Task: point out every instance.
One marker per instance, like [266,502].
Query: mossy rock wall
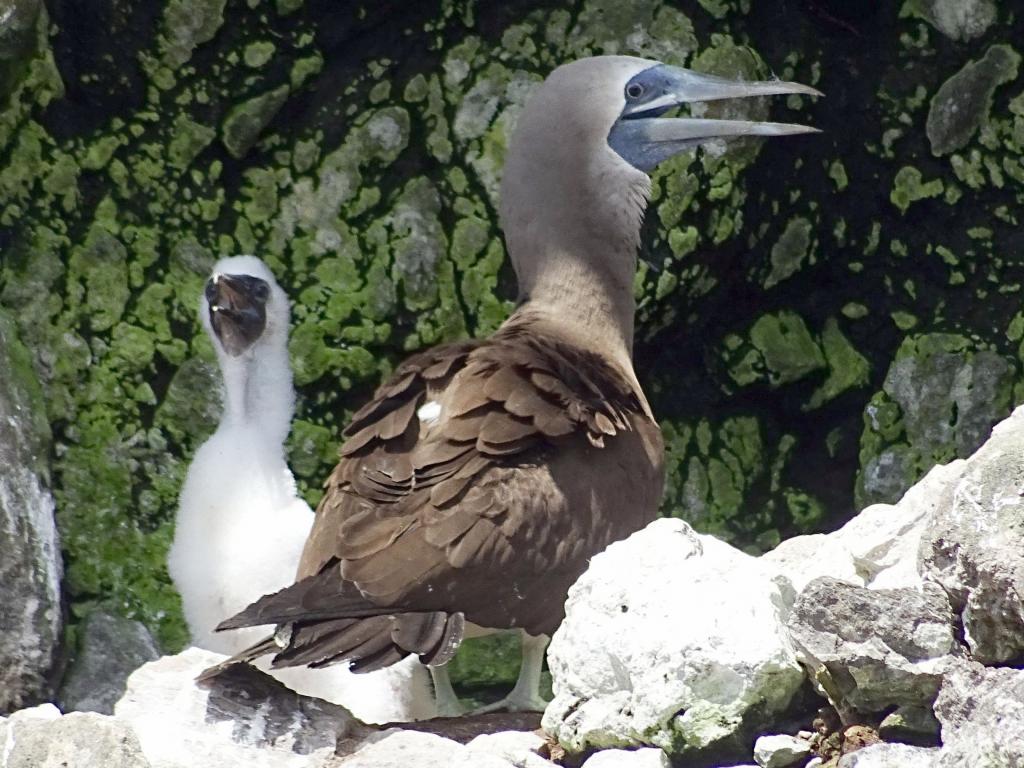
[821,318]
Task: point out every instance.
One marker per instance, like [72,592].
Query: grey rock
[884,477]
[110,648]
[41,738]
[18,29]
[963,103]
[30,564]
[974,547]
[621,758]
[948,393]
[982,716]
[910,725]
[891,756]
[957,19]
[780,750]
[872,649]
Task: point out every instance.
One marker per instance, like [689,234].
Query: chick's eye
[262,291]
[634,91]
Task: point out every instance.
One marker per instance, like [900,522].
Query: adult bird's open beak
[644,138]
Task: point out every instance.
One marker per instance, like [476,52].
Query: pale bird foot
[514,703]
[451,708]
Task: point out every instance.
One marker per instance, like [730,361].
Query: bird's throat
[258,392]
[586,299]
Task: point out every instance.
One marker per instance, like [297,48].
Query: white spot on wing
[429,412]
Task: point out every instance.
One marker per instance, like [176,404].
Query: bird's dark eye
[634,91]
[261,291]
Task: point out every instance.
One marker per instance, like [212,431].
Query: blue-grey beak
[643,138]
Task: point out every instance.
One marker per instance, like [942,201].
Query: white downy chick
[240,525]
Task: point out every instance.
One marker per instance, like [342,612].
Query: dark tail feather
[324,625]
[315,598]
[253,652]
[373,642]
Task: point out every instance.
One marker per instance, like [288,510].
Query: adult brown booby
[479,480]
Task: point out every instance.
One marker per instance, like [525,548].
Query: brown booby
[476,484]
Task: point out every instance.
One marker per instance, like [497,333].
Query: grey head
[242,304]
[576,169]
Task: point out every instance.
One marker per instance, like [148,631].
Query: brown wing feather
[483,512]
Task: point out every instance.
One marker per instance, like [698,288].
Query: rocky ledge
[895,641]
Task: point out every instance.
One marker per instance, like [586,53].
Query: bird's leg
[448,704]
[525,696]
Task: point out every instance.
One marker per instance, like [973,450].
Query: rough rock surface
[517,747]
[884,538]
[957,19]
[963,103]
[403,749]
[671,639]
[41,738]
[635,758]
[802,559]
[878,548]
[878,648]
[911,725]
[110,648]
[891,756]
[974,546]
[982,716]
[243,717]
[30,563]
[780,750]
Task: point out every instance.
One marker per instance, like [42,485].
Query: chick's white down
[241,526]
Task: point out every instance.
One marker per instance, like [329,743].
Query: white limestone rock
[974,546]
[648,757]
[891,756]
[674,640]
[779,751]
[802,559]
[879,648]
[878,548]
[883,539]
[520,748]
[244,718]
[982,715]
[41,738]
[30,561]
[409,749]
